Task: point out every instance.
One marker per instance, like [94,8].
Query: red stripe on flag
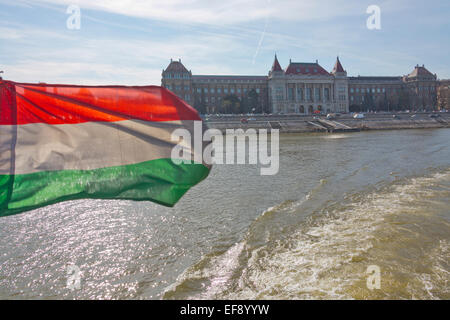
[69,104]
[7,103]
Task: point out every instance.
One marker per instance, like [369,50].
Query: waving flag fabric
[63,142]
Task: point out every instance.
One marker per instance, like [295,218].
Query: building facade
[217,93]
[443,95]
[302,88]
[306,88]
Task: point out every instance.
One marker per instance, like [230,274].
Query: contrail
[262,36]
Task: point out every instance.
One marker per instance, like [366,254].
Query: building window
[317,94]
[239,90]
[291,93]
[219,90]
[187,97]
[212,90]
[351,90]
[225,90]
[168,86]
[308,94]
[199,90]
[257,90]
[279,93]
[232,90]
[205,90]
[327,94]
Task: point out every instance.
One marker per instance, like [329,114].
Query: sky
[129,42]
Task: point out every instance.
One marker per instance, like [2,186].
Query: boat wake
[326,255]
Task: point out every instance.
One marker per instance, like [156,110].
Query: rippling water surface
[340,203]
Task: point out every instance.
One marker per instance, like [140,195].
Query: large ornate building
[303,88]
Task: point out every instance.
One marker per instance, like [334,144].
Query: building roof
[420,72]
[305,68]
[382,78]
[338,66]
[228,77]
[176,66]
[276,65]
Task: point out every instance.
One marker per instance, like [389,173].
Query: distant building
[306,87]
[303,88]
[208,92]
[443,95]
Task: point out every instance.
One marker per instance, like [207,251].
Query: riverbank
[303,124]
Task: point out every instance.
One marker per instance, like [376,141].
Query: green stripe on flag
[159,180]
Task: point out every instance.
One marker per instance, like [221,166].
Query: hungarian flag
[65,142]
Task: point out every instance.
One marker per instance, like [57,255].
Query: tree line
[404,100]
[231,104]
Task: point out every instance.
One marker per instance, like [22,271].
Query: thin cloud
[218,12]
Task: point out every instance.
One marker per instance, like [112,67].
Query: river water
[339,204]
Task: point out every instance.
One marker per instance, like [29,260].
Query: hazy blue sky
[131,41]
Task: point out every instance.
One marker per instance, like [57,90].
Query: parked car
[358,116]
[331,116]
[243,120]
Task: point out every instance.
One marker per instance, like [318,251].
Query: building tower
[178,79]
[341,103]
[277,87]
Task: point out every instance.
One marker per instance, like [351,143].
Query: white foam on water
[337,136]
[327,257]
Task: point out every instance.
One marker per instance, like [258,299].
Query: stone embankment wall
[309,124]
